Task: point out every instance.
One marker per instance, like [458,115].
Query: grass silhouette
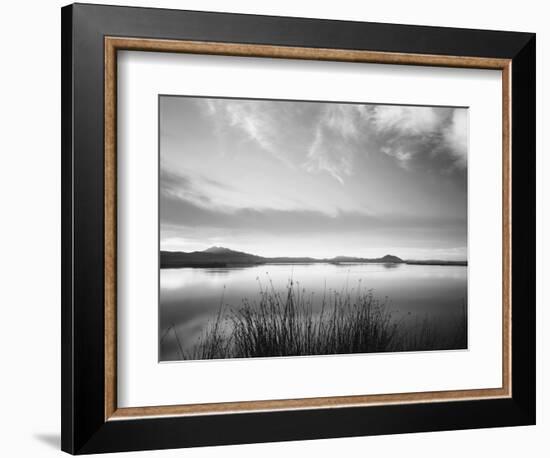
[287,324]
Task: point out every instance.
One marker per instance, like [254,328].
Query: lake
[190,298]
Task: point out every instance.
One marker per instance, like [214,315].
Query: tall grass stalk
[286,324]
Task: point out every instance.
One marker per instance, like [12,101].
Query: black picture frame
[84,428]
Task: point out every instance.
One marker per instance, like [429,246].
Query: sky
[320,179]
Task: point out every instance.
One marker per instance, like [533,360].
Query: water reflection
[191,297]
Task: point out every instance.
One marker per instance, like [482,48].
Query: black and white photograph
[275,229]
[300,228]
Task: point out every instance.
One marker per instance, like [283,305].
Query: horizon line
[315,257]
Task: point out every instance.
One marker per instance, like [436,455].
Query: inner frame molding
[114,44]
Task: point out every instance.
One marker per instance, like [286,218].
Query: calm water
[190,297]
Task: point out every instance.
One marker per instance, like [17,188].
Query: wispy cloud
[431,137]
[177,211]
[196,189]
[412,136]
[263,122]
[404,119]
[456,137]
[335,141]
[325,156]
[328,137]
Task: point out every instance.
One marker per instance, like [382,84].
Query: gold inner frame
[112,45]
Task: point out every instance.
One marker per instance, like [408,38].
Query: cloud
[253,120]
[431,138]
[325,155]
[329,137]
[342,119]
[337,138]
[186,213]
[197,189]
[406,120]
[456,137]
[270,125]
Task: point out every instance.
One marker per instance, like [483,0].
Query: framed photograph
[281,228]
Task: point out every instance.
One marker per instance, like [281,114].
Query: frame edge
[67,382]
[119,436]
[523,138]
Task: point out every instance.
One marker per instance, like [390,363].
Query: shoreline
[211,265]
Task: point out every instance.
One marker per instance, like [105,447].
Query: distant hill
[211,257]
[222,257]
[387,259]
[219,250]
[435,262]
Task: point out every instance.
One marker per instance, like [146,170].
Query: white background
[142,381]
[30,230]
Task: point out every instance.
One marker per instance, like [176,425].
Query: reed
[287,324]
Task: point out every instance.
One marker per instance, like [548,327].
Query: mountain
[222,257]
[435,262]
[219,250]
[211,257]
[385,259]
[390,258]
